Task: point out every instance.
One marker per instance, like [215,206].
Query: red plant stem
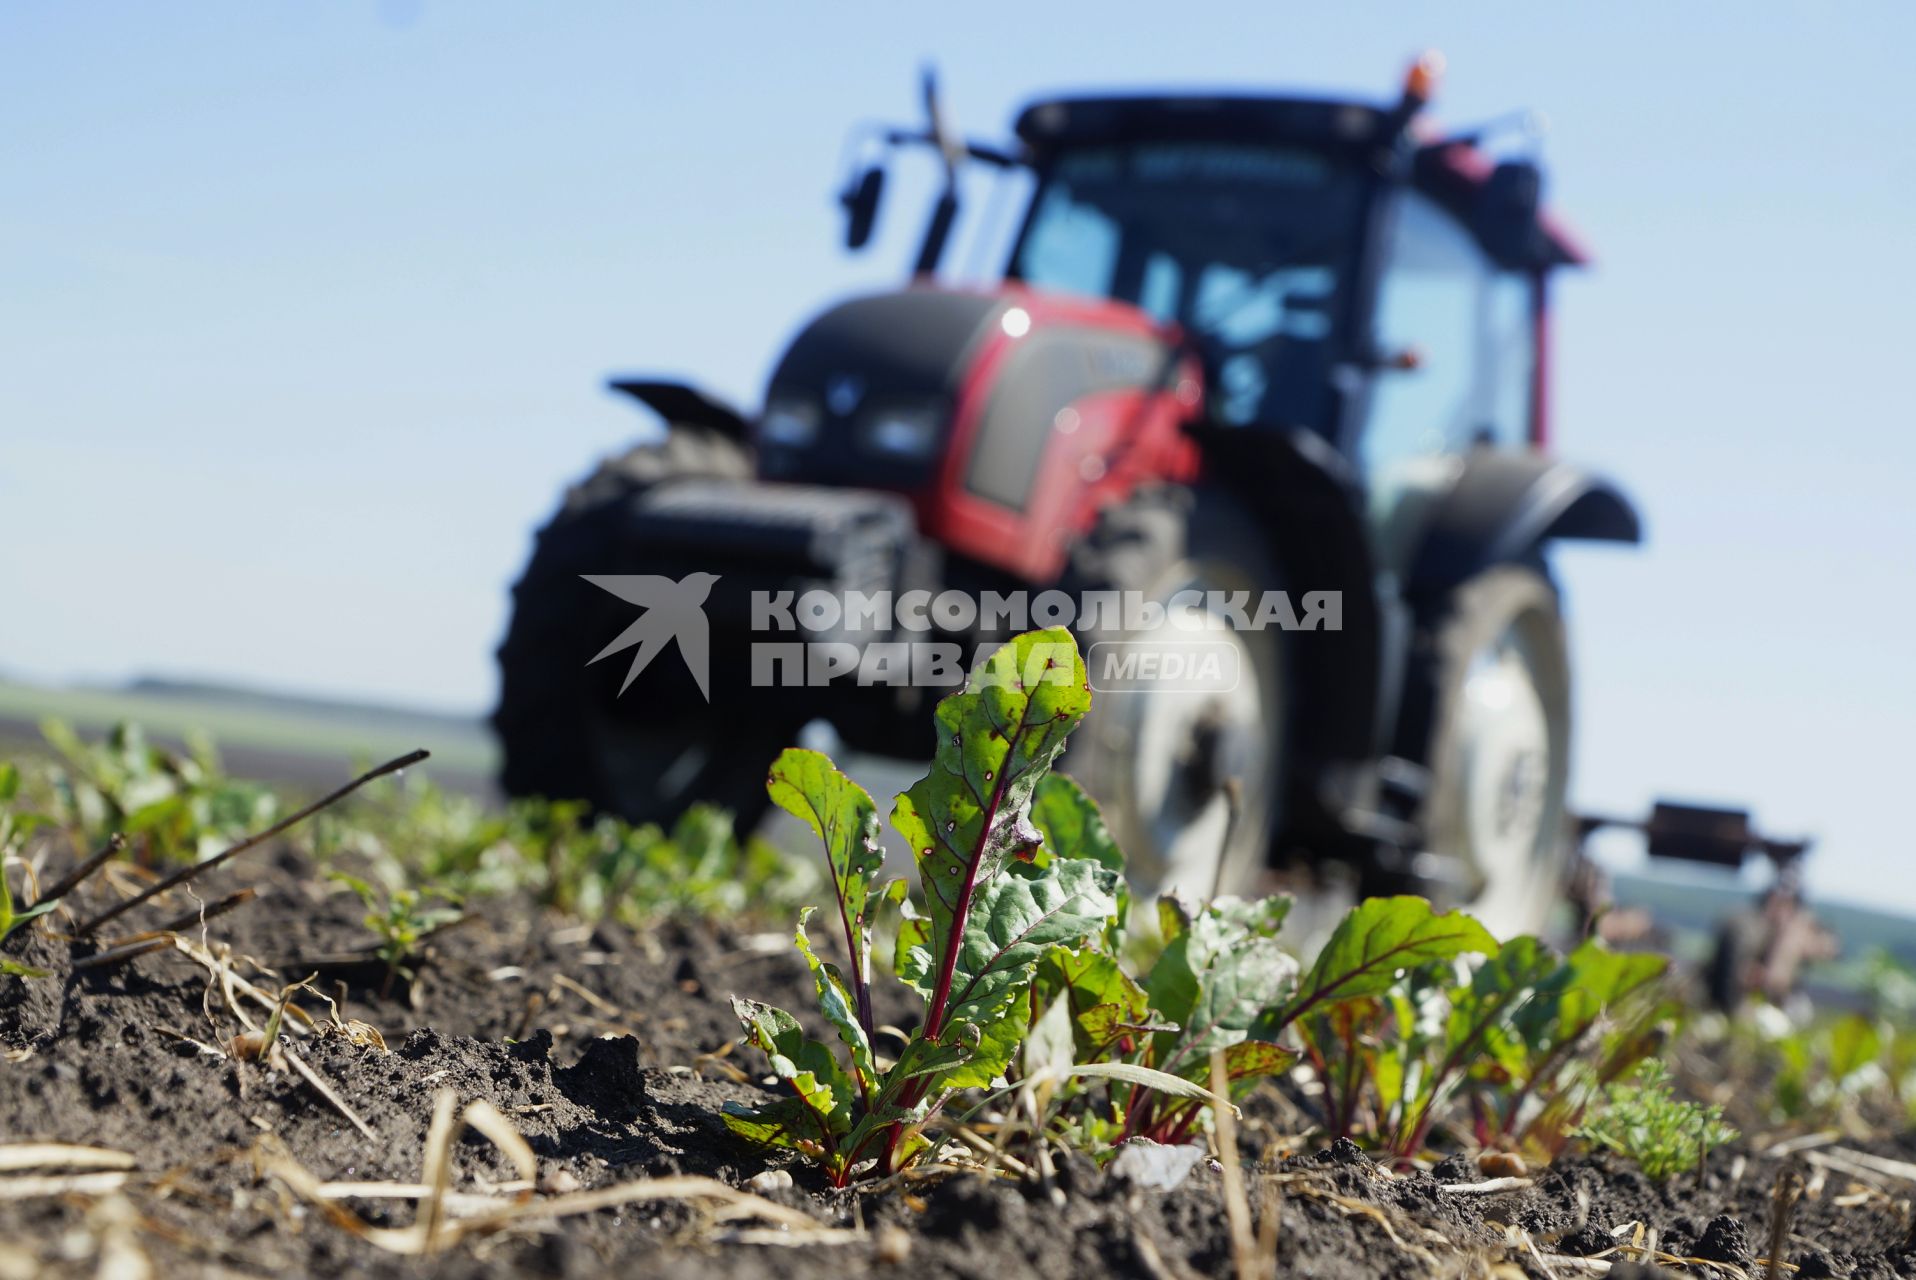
[961,913]
[914,1091]
[935,1012]
[861,981]
[1137,1112]
[1347,1096]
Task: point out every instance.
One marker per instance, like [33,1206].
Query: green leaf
[1253,1059]
[1221,973]
[12,918]
[810,787]
[13,968]
[786,1122]
[1102,997]
[61,737]
[887,1114]
[1103,1023]
[996,739]
[994,1041]
[1854,1044]
[923,1058]
[367,894]
[703,834]
[1445,1029]
[1644,1121]
[1376,941]
[1015,921]
[802,1064]
[1594,979]
[1073,827]
[1071,823]
[1149,1078]
[835,1002]
[921,1061]
[1174,916]
[911,954]
[9,781]
[1484,1013]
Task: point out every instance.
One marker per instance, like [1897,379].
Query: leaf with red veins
[972,810]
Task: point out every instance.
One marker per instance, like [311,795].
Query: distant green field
[268,735]
[310,742]
[1690,907]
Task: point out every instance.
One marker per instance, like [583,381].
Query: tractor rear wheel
[563,730]
[1189,774]
[1495,808]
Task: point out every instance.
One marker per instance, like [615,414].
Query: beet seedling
[991,905]
[1223,985]
[1012,944]
[12,917]
[402,920]
[1507,1033]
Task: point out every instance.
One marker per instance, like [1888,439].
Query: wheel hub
[1506,773]
[1185,746]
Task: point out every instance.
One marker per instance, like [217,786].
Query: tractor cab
[1333,274]
[1328,269]
[1246,237]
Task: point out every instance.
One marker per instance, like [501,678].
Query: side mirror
[1511,200]
[860,199]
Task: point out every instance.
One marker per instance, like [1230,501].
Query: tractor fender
[681,402]
[1502,506]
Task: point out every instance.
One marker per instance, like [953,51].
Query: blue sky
[305,310]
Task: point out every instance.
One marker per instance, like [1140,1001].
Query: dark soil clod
[1723,1240]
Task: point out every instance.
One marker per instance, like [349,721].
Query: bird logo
[674,610]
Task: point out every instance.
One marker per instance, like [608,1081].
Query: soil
[611,1053]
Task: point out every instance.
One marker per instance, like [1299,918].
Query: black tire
[563,731]
[1161,540]
[1495,811]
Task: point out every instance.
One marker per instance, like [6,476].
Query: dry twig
[1237,1206]
[187,873]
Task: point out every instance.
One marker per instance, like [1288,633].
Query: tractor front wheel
[1187,764]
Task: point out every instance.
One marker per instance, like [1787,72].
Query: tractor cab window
[1469,325]
[1244,245]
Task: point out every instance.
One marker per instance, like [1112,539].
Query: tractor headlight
[790,421]
[902,431]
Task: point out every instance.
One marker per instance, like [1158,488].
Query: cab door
[1463,331]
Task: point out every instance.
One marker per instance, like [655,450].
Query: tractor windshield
[1246,245]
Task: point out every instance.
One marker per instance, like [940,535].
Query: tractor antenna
[951,150]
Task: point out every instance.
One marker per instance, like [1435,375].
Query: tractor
[1242,344]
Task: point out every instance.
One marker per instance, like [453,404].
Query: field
[609,1053]
[280,738]
[415,1035]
